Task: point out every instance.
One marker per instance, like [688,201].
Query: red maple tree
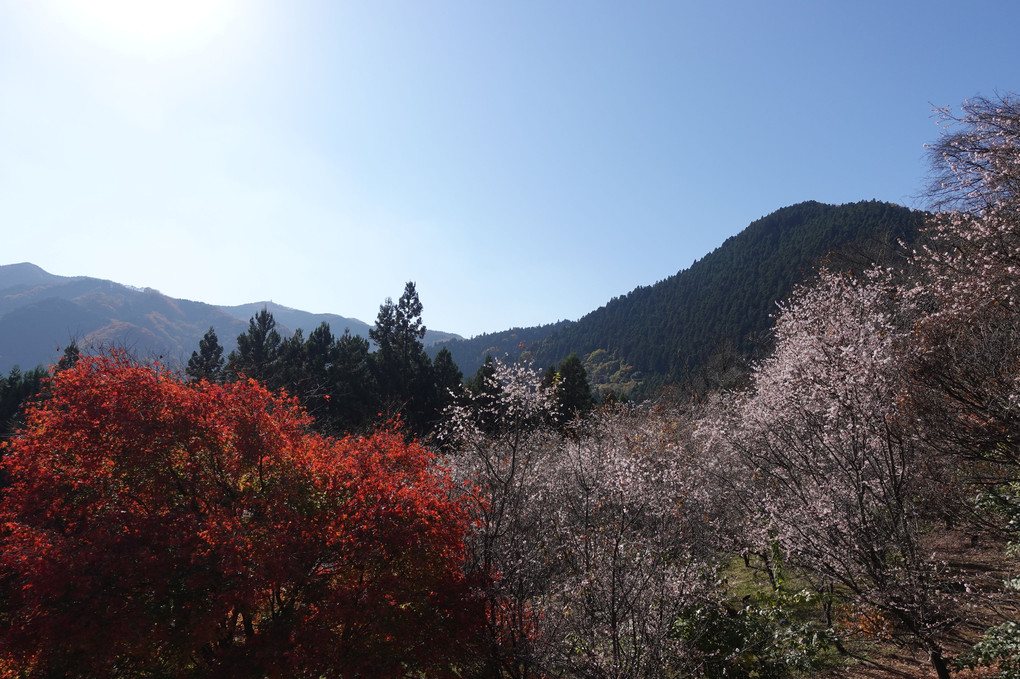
[157,528]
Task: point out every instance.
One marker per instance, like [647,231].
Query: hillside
[40,313]
[664,332]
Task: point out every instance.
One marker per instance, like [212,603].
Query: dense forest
[666,333]
[850,502]
[347,382]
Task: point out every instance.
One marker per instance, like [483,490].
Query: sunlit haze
[153,28]
[521,162]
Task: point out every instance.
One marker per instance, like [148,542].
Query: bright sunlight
[154,29]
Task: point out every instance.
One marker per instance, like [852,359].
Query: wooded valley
[830,486]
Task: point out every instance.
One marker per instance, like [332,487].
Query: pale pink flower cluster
[595,541]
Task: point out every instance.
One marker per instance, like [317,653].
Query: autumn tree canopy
[159,528]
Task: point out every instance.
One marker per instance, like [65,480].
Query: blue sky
[523,162]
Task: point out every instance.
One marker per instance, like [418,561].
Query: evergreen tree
[291,371]
[448,380]
[207,362]
[15,390]
[257,350]
[71,355]
[320,350]
[572,392]
[485,391]
[482,381]
[399,330]
[401,366]
[352,389]
[317,356]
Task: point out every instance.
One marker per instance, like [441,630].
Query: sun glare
[148,28]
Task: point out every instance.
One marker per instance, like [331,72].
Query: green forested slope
[470,354]
[664,332]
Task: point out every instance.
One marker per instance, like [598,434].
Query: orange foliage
[865,622]
[172,529]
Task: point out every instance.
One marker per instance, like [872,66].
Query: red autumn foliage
[157,528]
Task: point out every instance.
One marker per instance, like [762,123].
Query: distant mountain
[469,354]
[41,313]
[292,319]
[25,274]
[665,332]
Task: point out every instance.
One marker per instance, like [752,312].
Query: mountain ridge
[652,335]
[668,331]
[41,313]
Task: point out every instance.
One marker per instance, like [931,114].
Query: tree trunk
[939,663]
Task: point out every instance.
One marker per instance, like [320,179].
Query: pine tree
[207,362]
[70,357]
[257,350]
[401,366]
[352,388]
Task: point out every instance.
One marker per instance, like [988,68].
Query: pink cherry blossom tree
[968,282]
[499,444]
[967,343]
[594,542]
[842,483]
[632,548]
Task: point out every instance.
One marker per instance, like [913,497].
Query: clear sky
[522,162]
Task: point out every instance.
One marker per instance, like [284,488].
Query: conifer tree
[352,388]
[573,393]
[401,366]
[207,362]
[71,355]
[447,378]
[257,350]
[15,391]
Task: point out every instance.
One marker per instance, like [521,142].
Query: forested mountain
[664,332]
[655,334]
[470,354]
[41,313]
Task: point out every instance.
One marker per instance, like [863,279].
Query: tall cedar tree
[402,368]
[448,379]
[571,390]
[354,394]
[15,390]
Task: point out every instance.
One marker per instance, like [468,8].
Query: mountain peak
[24,274]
